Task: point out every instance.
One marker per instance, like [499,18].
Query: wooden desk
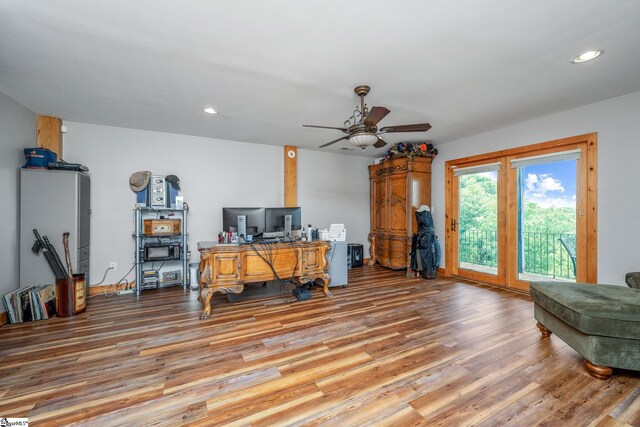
[226,268]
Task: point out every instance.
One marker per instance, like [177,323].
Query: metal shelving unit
[142,213]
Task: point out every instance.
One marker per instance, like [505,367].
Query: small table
[226,268]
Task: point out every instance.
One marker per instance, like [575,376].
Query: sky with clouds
[551,184]
[548,184]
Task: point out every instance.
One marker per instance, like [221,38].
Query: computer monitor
[275,221]
[253,220]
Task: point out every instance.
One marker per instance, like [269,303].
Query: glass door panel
[478,222]
[547,221]
[526,214]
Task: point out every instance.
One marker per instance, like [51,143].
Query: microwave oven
[161,251]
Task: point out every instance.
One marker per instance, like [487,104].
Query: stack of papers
[337,233]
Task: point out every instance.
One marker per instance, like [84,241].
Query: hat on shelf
[139,180]
[174,181]
[423,208]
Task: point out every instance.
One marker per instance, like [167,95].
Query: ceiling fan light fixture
[362,127]
[586,56]
[363,140]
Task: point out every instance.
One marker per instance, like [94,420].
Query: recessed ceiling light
[587,56]
[210,110]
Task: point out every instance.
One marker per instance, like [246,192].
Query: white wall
[334,189]
[617,122]
[17,131]
[213,173]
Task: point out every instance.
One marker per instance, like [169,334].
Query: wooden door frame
[452,236]
[586,198]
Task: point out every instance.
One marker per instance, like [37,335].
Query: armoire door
[398,204]
[379,206]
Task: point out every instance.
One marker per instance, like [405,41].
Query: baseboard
[439,270]
[3,319]
[101,289]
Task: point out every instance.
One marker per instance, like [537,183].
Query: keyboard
[269,241]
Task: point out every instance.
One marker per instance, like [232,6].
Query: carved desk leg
[205,292]
[205,298]
[326,279]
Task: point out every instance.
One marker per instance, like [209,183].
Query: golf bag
[425,249]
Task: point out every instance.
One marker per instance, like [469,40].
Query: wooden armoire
[398,188]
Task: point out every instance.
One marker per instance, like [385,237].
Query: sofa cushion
[633,280]
[604,310]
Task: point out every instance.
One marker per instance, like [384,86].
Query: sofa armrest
[633,280]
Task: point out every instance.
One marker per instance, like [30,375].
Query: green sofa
[601,322]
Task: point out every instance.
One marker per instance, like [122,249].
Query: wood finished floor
[386,350]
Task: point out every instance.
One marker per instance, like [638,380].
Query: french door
[477,222]
[525,214]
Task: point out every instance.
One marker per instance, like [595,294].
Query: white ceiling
[464,66]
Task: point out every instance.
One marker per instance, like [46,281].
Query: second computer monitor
[275,220]
[254,219]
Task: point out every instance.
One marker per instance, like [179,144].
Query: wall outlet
[113,265]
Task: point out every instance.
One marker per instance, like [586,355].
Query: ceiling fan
[361,127]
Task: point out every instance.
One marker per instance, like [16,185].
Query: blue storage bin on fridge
[39,158]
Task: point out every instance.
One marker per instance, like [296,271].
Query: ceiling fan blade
[325,127]
[380,143]
[333,142]
[419,127]
[375,115]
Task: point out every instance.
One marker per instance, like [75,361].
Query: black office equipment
[275,220]
[355,254]
[254,219]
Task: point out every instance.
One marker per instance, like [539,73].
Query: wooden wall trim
[290,176]
[524,149]
[101,289]
[449,233]
[48,133]
[592,208]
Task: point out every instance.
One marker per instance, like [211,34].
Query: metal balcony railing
[541,253]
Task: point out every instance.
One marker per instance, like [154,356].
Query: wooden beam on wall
[592,208]
[290,176]
[48,134]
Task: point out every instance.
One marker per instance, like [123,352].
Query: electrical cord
[269,262]
[104,277]
[109,293]
[268,250]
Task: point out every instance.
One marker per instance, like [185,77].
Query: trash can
[355,254]
[194,275]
